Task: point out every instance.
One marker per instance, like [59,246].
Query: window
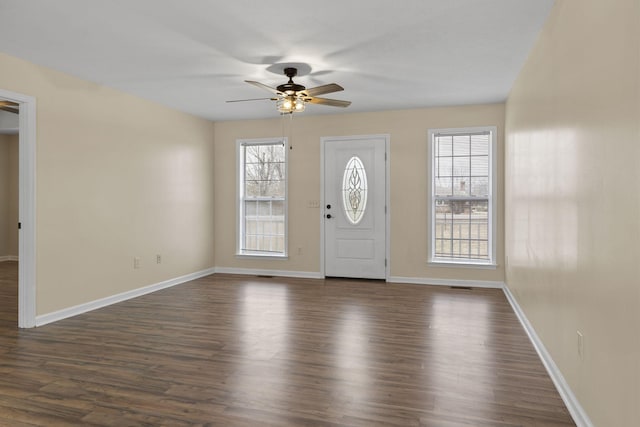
[461,202]
[262,197]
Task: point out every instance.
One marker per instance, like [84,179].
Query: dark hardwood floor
[246,351]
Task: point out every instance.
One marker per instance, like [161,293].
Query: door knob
[328,216]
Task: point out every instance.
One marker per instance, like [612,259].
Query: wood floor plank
[246,351]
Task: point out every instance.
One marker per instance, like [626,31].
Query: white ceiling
[194,55]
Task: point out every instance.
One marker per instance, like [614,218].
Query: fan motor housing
[290,88]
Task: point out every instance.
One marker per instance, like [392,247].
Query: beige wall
[572,200]
[12,230]
[4,194]
[408,156]
[8,195]
[117,178]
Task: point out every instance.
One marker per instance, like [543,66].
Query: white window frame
[240,252]
[493,179]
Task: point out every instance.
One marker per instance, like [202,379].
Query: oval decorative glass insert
[354,190]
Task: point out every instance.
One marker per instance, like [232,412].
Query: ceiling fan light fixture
[290,104]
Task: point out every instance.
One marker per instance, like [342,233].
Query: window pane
[251,154]
[461,145]
[270,152]
[274,189]
[480,166]
[251,242]
[444,146]
[461,186]
[279,244]
[250,208]
[264,208]
[480,144]
[277,207]
[252,171]
[443,186]
[461,229]
[461,166]
[443,166]
[252,188]
[268,227]
[480,187]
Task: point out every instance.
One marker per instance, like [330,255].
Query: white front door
[354,206]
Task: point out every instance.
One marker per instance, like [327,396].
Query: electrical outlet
[158,259]
[580,345]
[136,262]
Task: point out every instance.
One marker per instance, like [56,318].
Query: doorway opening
[8,214]
[26,106]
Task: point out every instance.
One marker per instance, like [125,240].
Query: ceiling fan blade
[252,99]
[10,110]
[321,90]
[330,102]
[263,86]
[9,106]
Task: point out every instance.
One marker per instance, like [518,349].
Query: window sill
[462,264]
[261,255]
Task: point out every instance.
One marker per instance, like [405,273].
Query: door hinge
[385,156]
[385,262]
[19,226]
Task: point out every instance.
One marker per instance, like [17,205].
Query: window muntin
[461,199]
[262,193]
[354,190]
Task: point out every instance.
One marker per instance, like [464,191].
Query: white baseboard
[446,282]
[279,273]
[575,409]
[43,319]
[8,258]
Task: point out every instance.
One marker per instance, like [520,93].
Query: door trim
[26,207]
[387,237]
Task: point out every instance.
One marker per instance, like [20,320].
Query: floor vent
[466,288]
[264,276]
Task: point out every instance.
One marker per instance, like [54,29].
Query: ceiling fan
[291,97]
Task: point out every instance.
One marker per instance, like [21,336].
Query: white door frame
[387,162]
[26,207]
